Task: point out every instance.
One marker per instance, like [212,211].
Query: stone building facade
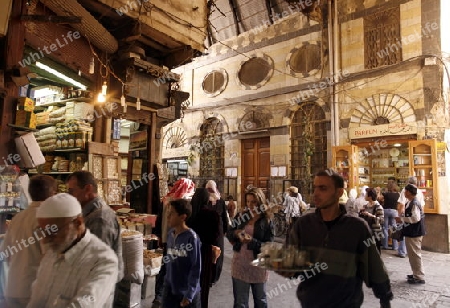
[306,86]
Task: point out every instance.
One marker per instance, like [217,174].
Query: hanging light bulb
[92,66]
[138,104]
[104,88]
[125,108]
[101,98]
[122,98]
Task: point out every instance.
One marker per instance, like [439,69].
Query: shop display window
[366,164]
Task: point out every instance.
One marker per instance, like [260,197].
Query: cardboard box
[25,103]
[29,151]
[42,118]
[25,119]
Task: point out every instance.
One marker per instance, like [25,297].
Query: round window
[215,82]
[255,72]
[305,60]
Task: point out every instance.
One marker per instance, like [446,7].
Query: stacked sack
[57,116]
[79,110]
[46,139]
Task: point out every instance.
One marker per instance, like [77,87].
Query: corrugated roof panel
[254,13]
[223,27]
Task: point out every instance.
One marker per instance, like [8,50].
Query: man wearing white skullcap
[78,269]
[100,219]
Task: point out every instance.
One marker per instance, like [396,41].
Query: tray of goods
[276,257]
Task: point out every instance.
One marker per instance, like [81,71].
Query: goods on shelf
[79,110]
[46,138]
[151,260]
[63,93]
[25,103]
[73,134]
[57,115]
[42,118]
[10,189]
[137,222]
[25,119]
[417,157]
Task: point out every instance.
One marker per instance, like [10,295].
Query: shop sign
[175,152]
[392,129]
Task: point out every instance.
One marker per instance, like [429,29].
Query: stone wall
[411,86]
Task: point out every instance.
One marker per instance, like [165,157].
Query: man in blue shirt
[183,260]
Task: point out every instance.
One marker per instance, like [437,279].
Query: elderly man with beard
[78,269]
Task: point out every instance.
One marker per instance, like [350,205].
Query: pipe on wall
[330,69]
[336,73]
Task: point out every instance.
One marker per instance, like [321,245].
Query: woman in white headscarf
[361,200]
[218,204]
[350,206]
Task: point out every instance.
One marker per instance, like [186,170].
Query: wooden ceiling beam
[52,18]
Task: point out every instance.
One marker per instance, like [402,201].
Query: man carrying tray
[347,247]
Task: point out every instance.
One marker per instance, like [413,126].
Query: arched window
[212,145]
[308,146]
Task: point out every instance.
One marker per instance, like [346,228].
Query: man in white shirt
[21,247]
[402,199]
[78,269]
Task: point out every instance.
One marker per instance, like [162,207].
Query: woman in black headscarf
[218,204]
[205,222]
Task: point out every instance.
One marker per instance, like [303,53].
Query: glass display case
[345,160]
[423,157]
[397,158]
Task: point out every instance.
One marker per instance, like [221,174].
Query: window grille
[382,39]
[308,146]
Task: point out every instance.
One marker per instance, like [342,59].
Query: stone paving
[434,294]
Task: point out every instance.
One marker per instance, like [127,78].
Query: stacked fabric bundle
[46,139]
[57,116]
[69,110]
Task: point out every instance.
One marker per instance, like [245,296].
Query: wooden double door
[255,165]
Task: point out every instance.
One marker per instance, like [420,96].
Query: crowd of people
[387,210]
[78,262]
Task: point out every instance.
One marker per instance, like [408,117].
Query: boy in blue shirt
[183,260]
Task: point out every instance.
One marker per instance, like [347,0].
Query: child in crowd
[183,260]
